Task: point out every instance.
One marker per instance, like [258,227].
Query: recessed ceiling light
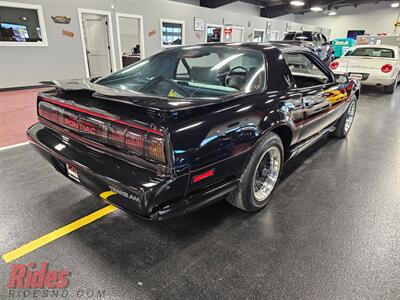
[332,13]
[316,8]
[395,4]
[297,3]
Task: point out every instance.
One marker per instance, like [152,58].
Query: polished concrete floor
[332,230]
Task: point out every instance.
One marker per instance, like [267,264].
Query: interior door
[237,35]
[97,44]
[274,35]
[130,40]
[322,98]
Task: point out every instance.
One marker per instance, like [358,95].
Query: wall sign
[228,31]
[68,33]
[61,19]
[199,24]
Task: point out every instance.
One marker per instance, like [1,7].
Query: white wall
[373,18]
[63,57]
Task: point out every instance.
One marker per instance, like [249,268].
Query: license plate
[72,172]
[356,76]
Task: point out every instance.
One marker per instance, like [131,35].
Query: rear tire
[344,123]
[260,175]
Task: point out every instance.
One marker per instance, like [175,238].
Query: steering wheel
[232,73]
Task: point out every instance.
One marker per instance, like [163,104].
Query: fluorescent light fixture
[395,4]
[332,13]
[297,3]
[316,8]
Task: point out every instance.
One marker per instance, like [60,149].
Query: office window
[258,36]
[172,33]
[21,25]
[214,33]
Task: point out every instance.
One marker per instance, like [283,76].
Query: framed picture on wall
[199,24]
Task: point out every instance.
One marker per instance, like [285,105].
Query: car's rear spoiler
[166,104]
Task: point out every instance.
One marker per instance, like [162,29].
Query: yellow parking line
[56,234]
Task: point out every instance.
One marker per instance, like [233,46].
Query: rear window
[371,52]
[193,72]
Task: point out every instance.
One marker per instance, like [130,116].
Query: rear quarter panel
[223,138]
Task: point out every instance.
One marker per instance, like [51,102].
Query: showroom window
[258,36]
[214,33]
[172,33]
[21,25]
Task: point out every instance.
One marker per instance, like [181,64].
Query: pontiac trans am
[193,124]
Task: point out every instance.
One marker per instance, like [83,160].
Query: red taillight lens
[134,141]
[48,111]
[387,68]
[68,119]
[117,133]
[116,136]
[93,128]
[334,65]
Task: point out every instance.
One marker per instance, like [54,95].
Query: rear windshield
[299,36]
[371,52]
[193,72]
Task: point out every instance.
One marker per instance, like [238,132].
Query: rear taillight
[387,68]
[134,141]
[147,143]
[116,136]
[154,148]
[334,65]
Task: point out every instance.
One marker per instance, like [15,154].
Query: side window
[305,72]
[182,72]
[242,71]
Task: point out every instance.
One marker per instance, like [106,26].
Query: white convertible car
[377,65]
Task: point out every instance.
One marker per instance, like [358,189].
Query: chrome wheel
[350,116]
[266,174]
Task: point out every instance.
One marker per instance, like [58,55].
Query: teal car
[340,46]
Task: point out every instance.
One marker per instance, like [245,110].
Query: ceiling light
[395,4]
[297,3]
[316,8]
[332,13]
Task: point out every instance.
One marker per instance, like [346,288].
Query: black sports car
[193,124]
[315,41]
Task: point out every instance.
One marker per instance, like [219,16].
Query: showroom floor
[332,229]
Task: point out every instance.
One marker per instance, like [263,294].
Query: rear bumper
[378,81]
[149,194]
[371,79]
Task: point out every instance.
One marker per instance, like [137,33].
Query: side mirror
[341,79]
